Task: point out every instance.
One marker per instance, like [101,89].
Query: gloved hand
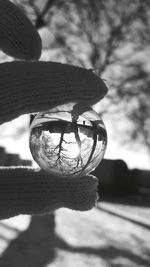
[29,87]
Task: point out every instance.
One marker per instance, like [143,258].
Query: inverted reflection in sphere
[68,143]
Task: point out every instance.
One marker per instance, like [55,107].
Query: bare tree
[109,36]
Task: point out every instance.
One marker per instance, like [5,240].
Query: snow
[108,235]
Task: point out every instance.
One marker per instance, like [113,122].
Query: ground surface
[108,235]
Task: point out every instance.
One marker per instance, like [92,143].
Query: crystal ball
[68,140]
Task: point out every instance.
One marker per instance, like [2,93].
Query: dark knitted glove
[27,87]
[18,37]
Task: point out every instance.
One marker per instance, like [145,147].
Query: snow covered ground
[108,235]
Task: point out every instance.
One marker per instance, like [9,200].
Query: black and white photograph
[74,133]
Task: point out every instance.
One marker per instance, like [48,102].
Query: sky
[134,157]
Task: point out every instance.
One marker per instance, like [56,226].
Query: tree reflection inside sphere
[68,143]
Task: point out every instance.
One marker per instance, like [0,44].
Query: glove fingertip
[81,194]
[18,37]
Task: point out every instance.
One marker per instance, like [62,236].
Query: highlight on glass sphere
[68,141]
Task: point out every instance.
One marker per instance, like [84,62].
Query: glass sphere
[68,141]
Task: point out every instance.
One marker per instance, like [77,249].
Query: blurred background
[112,38]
